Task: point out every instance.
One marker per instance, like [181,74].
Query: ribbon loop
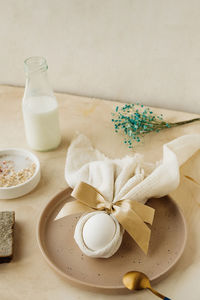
[132,215]
[146,213]
[89,196]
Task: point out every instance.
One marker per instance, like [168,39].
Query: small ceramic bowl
[20,156]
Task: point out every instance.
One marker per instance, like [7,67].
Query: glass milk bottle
[40,108]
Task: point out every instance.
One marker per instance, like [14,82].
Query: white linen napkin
[127,178]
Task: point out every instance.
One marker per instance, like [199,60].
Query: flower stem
[184,122]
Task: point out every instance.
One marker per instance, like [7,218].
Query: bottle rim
[35,64]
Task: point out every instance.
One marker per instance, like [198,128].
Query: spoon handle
[158,294]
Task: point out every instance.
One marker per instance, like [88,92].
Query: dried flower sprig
[136,120]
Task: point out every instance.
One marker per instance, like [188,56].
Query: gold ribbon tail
[73,207]
[134,225]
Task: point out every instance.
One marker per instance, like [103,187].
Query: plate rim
[91,285]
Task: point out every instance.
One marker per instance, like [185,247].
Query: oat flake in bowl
[9,176]
[19,172]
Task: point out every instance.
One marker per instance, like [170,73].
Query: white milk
[41,122]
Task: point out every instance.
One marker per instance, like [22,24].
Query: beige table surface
[29,276]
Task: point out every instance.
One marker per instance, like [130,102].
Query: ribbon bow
[132,215]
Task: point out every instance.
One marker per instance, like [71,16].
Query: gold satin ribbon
[132,215]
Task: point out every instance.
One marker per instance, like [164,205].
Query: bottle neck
[35,64]
[37,83]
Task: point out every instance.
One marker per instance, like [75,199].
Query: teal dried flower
[136,120]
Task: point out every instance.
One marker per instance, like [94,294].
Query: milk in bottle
[40,108]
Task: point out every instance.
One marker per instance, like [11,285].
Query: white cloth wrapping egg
[127,178]
[97,233]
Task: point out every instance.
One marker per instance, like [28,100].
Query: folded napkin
[127,178]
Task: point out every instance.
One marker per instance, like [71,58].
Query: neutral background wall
[130,50]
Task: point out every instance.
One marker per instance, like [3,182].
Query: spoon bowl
[135,281]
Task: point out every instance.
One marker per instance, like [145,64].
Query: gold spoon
[138,281]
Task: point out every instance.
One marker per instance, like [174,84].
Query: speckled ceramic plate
[58,247]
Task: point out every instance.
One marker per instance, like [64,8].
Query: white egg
[98,231]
